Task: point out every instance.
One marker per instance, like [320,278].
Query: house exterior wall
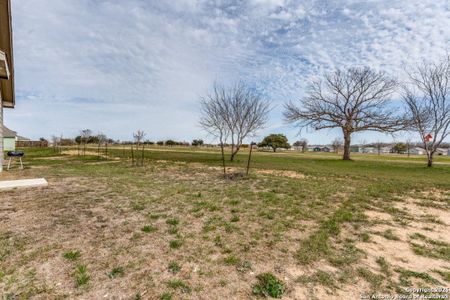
[9,144]
[355,149]
[416,151]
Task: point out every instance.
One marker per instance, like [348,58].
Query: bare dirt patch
[103,217]
[290,174]
[395,240]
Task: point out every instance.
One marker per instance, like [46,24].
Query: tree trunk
[430,159]
[223,159]
[234,151]
[249,158]
[346,155]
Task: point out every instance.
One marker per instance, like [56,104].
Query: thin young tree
[212,118]
[138,137]
[379,145]
[101,139]
[304,144]
[354,100]
[244,112]
[408,144]
[60,143]
[85,134]
[336,144]
[427,97]
[55,141]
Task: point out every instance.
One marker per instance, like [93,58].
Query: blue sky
[117,66]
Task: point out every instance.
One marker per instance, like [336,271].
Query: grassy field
[301,226]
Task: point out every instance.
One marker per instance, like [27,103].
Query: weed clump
[117,271]
[149,228]
[81,275]
[72,255]
[268,285]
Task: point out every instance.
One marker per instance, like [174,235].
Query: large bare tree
[240,109]
[427,97]
[353,100]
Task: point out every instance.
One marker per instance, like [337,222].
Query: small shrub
[234,202]
[72,255]
[244,266]
[154,216]
[173,230]
[268,285]
[231,260]
[179,284]
[117,271]
[138,206]
[325,278]
[218,241]
[174,267]
[234,218]
[173,222]
[321,277]
[373,279]
[384,266]
[175,244]
[389,234]
[149,228]
[166,296]
[81,275]
[444,274]
[406,274]
[223,283]
[365,237]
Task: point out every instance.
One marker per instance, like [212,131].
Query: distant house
[9,139]
[385,150]
[22,139]
[320,149]
[355,149]
[417,151]
[368,150]
[442,151]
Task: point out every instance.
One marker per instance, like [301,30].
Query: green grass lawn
[301,226]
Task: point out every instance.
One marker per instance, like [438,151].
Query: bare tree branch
[233,112]
[427,97]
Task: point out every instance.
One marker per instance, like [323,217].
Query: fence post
[249,158]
